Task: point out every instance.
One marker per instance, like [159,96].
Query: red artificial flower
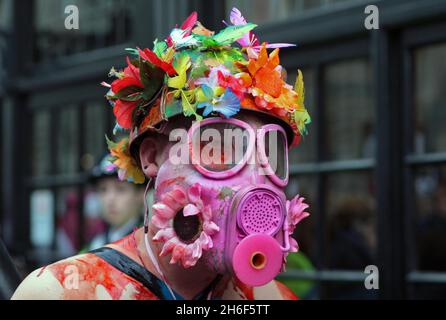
[151,56]
[123,111]
[131,78]
[237,84]
[125,82]
[131,81]
[132,71]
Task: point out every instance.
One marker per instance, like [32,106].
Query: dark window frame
[412,39]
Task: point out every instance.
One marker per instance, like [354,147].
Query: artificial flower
[181,64]
[268,89]
[212,80]
[187,26]
[201,30]
[239,83]
[227,105]
[300,116]
[151,57]
[123,111]
[225,37]
[295,214]
[180,39]
[249,40]
[194,201]
[264,74]
[121,158]
[124,93]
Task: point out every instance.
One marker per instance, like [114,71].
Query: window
[430,99]
[349,118]
[428,172]
[262,11]
[95,119]
[102,23]
[41,164]
[5,14]
[66,143]
[332,169]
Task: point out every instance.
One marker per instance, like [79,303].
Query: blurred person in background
[121,204]
[351,245]
[431,237]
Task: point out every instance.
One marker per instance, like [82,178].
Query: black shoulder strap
[136,271]
[133,269]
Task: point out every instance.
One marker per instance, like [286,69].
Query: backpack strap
[134,270]
[137,272]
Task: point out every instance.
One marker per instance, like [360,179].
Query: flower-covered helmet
[198,73]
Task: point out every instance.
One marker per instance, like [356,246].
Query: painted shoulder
[82,277]
[274,290]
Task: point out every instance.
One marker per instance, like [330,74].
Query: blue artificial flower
[228,104]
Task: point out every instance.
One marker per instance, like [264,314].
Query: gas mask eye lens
[187,229]
[220,147]
[273,153]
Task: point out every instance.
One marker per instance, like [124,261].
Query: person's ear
[147,157]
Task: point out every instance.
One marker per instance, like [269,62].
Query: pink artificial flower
[212,80]
[295,214]
[249,40]
[193,201]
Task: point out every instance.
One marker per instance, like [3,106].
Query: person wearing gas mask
[210,119]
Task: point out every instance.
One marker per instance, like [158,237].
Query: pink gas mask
[219,197]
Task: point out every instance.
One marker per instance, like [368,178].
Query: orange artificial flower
[269,90]
[120,156]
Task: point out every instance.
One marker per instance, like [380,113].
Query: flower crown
[196,72]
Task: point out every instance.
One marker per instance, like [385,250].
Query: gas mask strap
[155,263]
[146,240]
[146,208]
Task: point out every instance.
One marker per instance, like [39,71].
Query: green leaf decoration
[300,89]
[130,93]
[152,78]
[110,143]
[159,47]
[181,64]
[189,107]
[232,33]
[132,51]
[199,68]
[225,37]
[301,116]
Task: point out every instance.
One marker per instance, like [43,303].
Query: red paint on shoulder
[248,291]
[285,292]
[93,271]
[128,243]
